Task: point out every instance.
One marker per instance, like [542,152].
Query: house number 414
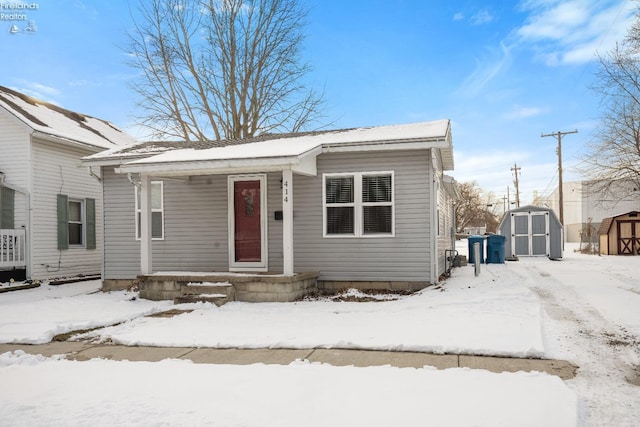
[285,191]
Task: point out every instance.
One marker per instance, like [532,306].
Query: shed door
[628,237]
[520,241]
[247,225]
[540,233]
[530,233]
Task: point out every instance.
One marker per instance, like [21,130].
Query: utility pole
[559,136]
[516,169]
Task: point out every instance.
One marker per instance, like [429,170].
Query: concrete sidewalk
[338,357]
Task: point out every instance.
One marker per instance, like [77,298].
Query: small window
[358,204]
[157,211]
[76,223]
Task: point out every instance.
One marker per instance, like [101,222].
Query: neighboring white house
[586,203]
[50,205]
[366,207]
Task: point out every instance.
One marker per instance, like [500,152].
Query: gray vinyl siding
[121,250]
[56,171]
[399,258]
[445,231]
[196,224]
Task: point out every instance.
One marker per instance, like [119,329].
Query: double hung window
[76,222]
[157,211]
[359,204]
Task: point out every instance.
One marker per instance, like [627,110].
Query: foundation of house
[337,285]
[261,287]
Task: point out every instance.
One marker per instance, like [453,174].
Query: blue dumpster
[472,240]
[495,249]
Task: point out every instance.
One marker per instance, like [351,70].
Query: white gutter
[389,144]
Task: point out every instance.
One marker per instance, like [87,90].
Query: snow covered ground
[583,309]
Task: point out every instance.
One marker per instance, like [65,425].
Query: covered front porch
[260,265]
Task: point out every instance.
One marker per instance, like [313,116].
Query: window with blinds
[358,204]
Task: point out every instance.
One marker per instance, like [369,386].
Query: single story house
[365,207]
[50,207]
[620,234]
[532,231]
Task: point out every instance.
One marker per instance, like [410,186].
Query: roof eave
[304,165]
[68,141]
[442,143]
[112,161]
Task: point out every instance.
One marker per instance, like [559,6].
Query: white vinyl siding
[57,172]
[14,163]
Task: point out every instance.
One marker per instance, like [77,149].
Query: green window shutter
[90,207]
[7,205]
[63,222]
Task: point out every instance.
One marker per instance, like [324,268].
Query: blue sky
[504,72]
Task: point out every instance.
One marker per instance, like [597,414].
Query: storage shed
[620,235]
[532,231]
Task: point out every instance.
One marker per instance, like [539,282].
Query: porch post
[287,221]
[145,225]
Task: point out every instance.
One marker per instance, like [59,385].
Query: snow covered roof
[53,121]
[276,151]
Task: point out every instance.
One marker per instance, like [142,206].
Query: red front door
[247,221]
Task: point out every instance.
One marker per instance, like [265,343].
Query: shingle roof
[52,120]
[275,145]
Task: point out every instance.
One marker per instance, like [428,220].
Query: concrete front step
[217,299]
[216,293]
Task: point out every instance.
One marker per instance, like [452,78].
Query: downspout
[433,234]
[132,180]
[93,174]
[29,214]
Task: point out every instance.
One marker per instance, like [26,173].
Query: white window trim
[138,210]
[82,222]
[358,204]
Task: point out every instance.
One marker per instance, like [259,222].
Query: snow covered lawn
[583,309]
[36,315]
[479,319]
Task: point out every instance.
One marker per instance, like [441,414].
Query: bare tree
[214,69]
[472,208]
[614,156]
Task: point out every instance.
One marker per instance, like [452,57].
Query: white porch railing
[12,248]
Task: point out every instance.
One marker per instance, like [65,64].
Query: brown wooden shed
[620,235]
